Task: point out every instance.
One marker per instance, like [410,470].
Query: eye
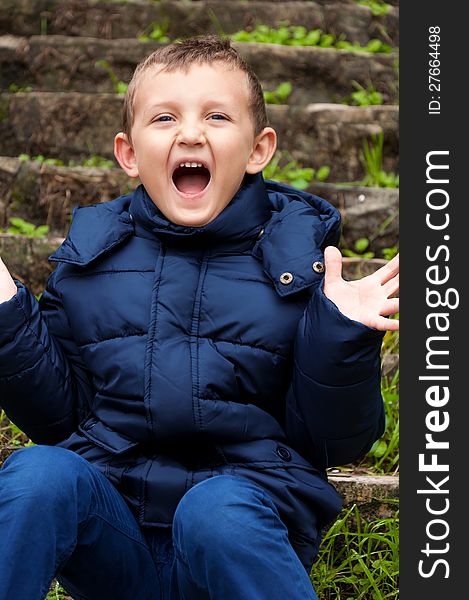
[218,117]
[162,119]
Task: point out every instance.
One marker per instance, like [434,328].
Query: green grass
[359,558]
[297,35]
[372,159]
[292,172]
[383,458]
[360,249]
[390,344]
[377,7]
[92,161]
[156,32]
[362,96]
[120,87]
[11,438]
[19,226]
[56,592]
[280,95]
[14,88]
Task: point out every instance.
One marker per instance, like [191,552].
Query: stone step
[44,195]
[26,259]
[114,19]
[371,213]
[72,125]
[65,63]
[376,496]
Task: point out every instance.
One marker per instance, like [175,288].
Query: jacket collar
[241,220]
[302,225]
[286,229]
[94,231]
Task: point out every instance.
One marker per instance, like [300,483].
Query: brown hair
[181,55]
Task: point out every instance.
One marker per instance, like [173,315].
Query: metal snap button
[284,453]
[261,233]
[318,267]
[286,278]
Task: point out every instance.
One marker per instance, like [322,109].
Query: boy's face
[198,117]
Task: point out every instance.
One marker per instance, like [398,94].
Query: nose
[191,134]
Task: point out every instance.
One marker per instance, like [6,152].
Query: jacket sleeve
[334,407]
[44,387]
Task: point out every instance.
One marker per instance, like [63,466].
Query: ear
[125,154]
[265,144]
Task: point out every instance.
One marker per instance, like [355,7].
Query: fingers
[383,324]
[390,307]
[7,286]
[391,287]
[3,268]
[390,270]
[333,264]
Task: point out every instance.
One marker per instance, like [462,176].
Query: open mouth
[191,179]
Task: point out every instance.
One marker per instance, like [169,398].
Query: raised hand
[368,300]
[7,286]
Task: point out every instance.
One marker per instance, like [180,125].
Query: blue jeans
[60,517]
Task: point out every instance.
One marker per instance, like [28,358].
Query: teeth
[190,164]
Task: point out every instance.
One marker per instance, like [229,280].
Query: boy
[190,370]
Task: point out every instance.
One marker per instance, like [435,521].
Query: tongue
[191,183]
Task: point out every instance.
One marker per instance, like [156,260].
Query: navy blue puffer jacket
[167,354]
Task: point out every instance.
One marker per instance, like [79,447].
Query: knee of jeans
[217,510]
[44,474]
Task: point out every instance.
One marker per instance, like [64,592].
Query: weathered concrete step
[114,19]
[75,125]
[26,258]
[371,213]
[72,63]
[43,194]
[376,496]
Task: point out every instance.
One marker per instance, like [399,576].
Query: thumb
[333,264]
[3,266]
[7,286]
